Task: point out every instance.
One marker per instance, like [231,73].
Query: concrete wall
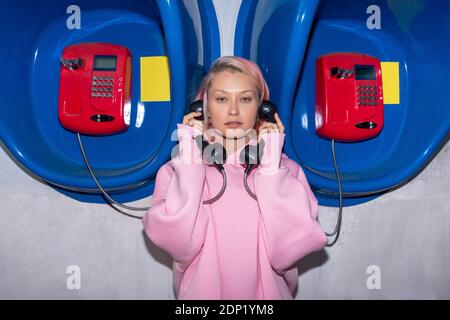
[404,236]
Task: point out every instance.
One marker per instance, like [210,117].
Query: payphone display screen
[365,72]
[105,63]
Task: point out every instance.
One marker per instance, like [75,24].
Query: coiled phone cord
[104,192]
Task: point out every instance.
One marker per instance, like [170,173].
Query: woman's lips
[233,124]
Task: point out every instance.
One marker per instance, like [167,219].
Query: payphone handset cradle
[349,96]
[95,88]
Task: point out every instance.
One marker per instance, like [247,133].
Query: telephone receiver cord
[337,228]
[112,201]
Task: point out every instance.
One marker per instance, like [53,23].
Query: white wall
[227,13]
[406,233]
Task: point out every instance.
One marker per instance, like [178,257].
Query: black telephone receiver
[216,154]
[250,156]
[266,110]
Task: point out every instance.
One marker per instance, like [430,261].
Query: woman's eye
[221,99]
[246,99]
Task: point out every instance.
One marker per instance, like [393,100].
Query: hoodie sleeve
[177,220]
[288,207]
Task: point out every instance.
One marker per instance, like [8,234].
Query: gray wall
[406,233]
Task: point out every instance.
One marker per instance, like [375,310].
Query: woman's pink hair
[231,64]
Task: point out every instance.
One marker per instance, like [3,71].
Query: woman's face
[233,104]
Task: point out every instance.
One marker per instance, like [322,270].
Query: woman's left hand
[267,127]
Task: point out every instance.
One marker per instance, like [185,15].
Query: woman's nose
[234,108]
[233,111]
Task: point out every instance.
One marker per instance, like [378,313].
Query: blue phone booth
[285,37]
[185,33]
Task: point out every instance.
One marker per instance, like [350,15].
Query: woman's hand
[266,127]
[190,121]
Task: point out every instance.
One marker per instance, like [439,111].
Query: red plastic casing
[95,102]
[348,109]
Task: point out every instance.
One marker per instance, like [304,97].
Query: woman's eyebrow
[219,90]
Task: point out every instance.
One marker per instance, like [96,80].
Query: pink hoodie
[236,247]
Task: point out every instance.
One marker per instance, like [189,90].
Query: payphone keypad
[102,86]
[367,95]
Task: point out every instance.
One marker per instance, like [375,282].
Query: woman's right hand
[197,124]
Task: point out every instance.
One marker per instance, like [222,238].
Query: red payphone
[349,96]
[94,88]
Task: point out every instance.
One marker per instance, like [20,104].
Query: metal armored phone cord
[251,156]
[339,221]
[215,155]
[246,173]
[337,229]
[224,186]
[104,192]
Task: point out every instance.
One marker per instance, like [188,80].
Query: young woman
[236,247]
